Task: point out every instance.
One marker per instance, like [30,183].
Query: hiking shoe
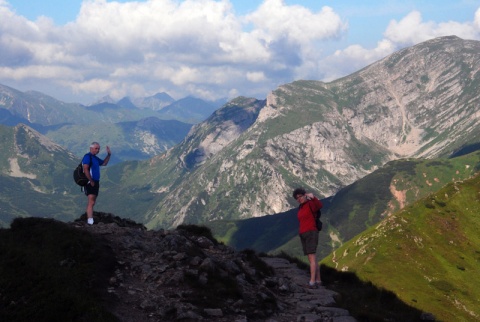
[90,221]
[312,286]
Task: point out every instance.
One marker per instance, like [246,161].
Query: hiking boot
[312,285]
[90,221]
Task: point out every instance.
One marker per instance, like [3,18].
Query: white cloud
[39,72]
[274,20]
[476,21]
[96,86]
[412,30]
[353,58]
[188,44]
[186,75]
[192,47]
[256,76]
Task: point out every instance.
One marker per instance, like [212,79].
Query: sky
[80,51]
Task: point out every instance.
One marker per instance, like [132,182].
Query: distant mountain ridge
[40,109]
[67,123]
[132,140]
[155,102]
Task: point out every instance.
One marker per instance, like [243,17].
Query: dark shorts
[89,190]
[309,241]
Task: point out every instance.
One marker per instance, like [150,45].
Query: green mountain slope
[36,177]
[427,254]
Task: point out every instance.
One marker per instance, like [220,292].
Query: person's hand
[108,150]
[92,183]
[309,195]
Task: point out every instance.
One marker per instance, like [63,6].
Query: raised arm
[107,158]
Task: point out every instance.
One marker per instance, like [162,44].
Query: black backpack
[78,176]
[317,216]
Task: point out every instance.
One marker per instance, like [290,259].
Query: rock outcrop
[185,275]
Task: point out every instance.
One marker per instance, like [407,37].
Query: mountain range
[139,128]
[245,159]
[369,144]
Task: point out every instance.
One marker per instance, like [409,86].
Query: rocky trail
[179,275]
[305,304]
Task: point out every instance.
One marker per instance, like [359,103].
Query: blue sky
[80,51]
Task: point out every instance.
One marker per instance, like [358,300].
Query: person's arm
[317,202]
[107,158]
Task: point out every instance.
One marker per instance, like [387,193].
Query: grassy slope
[428,254]
[36,180]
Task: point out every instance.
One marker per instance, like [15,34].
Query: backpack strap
[317,220]
[82,189]
[311,210]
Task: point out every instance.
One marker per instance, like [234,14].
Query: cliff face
[421,102]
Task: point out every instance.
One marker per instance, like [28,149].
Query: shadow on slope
[37,257]
[263,234]
[466,150]
[368,303]
[363,300]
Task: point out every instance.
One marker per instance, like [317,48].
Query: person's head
[94,147]
[299,195]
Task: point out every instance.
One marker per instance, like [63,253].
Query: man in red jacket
[309,205]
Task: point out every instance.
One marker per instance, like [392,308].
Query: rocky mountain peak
[419,102]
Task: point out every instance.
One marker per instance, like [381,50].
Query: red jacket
[305,215]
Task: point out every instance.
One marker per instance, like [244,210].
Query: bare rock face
[186,275]
[420,102]
[416,95]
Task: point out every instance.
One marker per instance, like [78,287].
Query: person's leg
[311,250]
[312,259]
[90,205]
[318,280]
